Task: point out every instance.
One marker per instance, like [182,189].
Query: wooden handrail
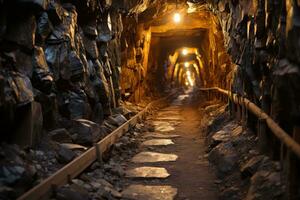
[289,142]
[79,164]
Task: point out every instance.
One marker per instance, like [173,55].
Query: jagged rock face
[64,55]
[262,38]
[79,58]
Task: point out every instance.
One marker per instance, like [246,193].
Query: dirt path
[190,175]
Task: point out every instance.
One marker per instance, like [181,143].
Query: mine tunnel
[150,99]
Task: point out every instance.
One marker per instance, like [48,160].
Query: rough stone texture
[68,57]
[65,155]
[265,56]
[265,184]
[224,157]
[61,135]
[117,120]
[50,54]
[17,173]
[85,131]
[243,172]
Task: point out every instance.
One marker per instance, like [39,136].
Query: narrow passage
[172,163]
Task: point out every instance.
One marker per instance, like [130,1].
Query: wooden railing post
[239,110]
[233,107]
[262,136]
[244,114]
[293,168]
[285,138]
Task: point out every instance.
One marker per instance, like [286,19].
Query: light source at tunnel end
[186,64]
[184,52]
[177,17]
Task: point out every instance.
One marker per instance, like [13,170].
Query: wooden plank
[62,176]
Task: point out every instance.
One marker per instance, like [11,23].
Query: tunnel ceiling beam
[179,32]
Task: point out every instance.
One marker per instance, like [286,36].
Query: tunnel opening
[199,34]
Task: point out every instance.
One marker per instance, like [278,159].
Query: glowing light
[189,78]
[188,73]
[186,64]
[177,18]
[184,52]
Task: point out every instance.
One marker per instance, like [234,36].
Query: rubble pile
[242,172]
[106,180]
[17,172]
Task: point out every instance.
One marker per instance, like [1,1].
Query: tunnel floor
[176,133]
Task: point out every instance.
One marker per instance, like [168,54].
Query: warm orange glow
[177,18]
[184,52]
[186,64]
[188,73]
[189,78]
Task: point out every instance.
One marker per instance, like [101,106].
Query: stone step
[147,172]
[148,192]
[157,142]
[150,157]
[162,126]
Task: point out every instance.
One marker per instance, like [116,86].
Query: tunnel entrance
[160,42]
[205,62]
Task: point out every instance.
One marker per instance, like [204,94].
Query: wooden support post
[293,167]
[229,102]
[98,153]
[296,134]
[262,136]
[233,108]
[244,118]
[239,111]
[30,120]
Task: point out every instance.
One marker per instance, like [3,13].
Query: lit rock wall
[262,38]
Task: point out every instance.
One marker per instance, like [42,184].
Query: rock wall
[262,38]
[59,60]
[64,60]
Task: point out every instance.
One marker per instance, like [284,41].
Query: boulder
[64,155]
[117,120]
[218,137]
[60,135]
[250,167]
[85,132]
[265,185]
[224,157]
